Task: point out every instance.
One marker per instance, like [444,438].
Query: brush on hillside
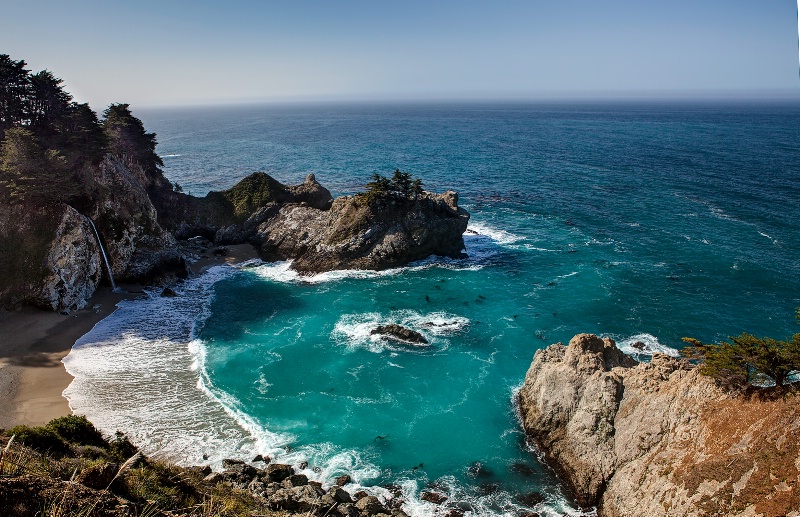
[125,467]
[4,452]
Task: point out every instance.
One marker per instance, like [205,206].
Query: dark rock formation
[400,333]
[433,497]
[362,233]
[658,438]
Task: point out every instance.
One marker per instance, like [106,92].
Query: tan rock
[658,438]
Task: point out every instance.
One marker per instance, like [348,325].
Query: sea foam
[355,330]
[649,345]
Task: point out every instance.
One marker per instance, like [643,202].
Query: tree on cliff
[128,139]
[401,185]
[748,359]
[29,172]
[15,91]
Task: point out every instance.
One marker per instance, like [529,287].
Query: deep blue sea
[639,221]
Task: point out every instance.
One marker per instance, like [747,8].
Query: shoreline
[32,376]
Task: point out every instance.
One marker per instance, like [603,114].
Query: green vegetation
[128,139]
[50,143]
[401,185]
[747,359]
[67,468]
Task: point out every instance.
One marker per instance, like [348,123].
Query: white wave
[499,503]
[480,240]
[774,241]
[170,155]
[643,345]
[140,371]
[282,272]
[355,330]
[495,234]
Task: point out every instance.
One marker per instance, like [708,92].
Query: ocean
[641,221]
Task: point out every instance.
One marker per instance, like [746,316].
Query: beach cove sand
[34,341]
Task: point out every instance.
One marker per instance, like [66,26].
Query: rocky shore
[67,468]
[658,438]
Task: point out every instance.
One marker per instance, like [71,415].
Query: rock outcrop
[138,248]
[658,438]
[362,233]
[399,333]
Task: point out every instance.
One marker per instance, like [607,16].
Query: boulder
[297,499]
[340,495]
[295,480]
[433,497]
[278,471]
[370,505]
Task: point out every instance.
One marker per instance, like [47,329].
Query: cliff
[51,255]
[658,438]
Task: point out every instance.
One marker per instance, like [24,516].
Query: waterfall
[105,257]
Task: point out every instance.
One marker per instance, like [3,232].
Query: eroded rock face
[360,234]
[138,248]
[73,264]
[658,438]
[50,257]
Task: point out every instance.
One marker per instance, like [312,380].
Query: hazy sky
[190,52]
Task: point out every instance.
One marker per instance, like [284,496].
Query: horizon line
[755,95]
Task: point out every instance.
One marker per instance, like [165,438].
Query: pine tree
[747,359]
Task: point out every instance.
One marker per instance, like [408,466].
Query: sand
[33,342]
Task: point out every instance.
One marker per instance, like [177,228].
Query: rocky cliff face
[658,438]
[50,257]
[357,233]
[51,254]
[137,247]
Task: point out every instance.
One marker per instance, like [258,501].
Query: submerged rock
[400,333]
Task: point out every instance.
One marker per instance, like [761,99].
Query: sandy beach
[32,376]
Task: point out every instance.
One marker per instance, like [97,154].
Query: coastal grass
[68,469]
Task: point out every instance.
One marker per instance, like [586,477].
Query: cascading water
[103,252]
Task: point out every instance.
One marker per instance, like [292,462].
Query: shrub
[120,448]
[39,438]
[77,430]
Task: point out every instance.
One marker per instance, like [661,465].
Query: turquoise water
[643,222]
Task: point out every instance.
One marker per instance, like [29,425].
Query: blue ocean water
[640,221]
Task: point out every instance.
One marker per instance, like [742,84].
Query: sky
[181,52]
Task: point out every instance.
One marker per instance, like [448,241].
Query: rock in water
[358,232]
[659,439]
[400,333]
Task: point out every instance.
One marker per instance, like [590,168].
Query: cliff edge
[658,438]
